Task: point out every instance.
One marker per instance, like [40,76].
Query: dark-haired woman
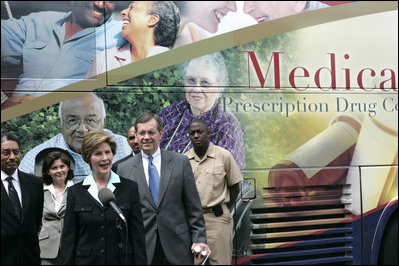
[57,177]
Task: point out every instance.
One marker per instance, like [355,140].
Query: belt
[207,210]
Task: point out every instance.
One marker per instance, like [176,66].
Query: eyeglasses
[74,122]
[131,138]
[192,81]
[8,152]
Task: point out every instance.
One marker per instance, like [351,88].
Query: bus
[315,96]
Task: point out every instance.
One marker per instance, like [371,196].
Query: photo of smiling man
[77,117]
[44,51]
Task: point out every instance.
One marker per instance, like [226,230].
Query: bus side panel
[379,190]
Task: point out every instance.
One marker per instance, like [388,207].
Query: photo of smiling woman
[149,27]
[94,233]
[263,11]
[199,18]
[57,177]
[204,78]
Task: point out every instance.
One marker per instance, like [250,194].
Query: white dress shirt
[15,182]
[57,203]
[93,189]
[156,161]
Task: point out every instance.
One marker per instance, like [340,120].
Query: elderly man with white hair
[77,117]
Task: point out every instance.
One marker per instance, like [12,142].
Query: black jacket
[93,234]
[20,240]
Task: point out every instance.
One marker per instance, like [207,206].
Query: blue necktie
[153,181]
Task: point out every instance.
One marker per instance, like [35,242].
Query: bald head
[88,97]
[80,115]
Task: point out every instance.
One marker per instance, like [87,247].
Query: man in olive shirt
[218,179]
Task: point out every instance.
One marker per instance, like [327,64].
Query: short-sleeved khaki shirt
[214,174]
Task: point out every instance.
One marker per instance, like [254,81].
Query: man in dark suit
[21,207]
[171,207]
[133,143]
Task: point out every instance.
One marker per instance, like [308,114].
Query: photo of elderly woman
[204,78]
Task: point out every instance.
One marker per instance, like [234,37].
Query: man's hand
[201,250]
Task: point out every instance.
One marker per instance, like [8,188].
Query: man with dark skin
[133,143]
[132,140]
[21,208]
[86,14]
[218,181]
[54,49]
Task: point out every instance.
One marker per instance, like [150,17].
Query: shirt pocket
[83,252]
[34,52]
[84,213]
[215,176]
[86,57]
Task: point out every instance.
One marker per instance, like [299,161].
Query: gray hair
[166,30]
[91,93]
[182,6]
[5,136]
[216,60]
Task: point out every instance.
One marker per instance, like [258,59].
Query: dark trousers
[159,255]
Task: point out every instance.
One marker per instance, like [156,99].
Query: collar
[60,29]
[14,175]
[156,154]
[113,179]
[207,116]
[93,189]
[62,20]
[210,152]
[123,53]
[51,186]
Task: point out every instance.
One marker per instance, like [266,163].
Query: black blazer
[20,240]
[91,235]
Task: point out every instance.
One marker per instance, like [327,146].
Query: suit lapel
[26,194]
[48,199]
[86,187]
[117,189]
[166,171]
[138,169]
[62,209]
